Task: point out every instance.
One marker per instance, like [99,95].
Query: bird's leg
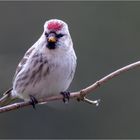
[33,101]
[66,96]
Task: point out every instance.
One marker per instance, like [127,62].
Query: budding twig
[80,95]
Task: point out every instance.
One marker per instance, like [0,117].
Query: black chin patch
[51,45]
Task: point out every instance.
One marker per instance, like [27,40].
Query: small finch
[47,68]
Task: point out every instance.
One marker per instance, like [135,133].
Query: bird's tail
[6,98]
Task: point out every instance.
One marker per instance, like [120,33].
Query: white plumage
[48,67]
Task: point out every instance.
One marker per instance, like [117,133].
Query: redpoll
[47,68]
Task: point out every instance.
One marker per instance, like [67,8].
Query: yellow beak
[52,39]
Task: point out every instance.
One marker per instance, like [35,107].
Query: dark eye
[46,34]
[59,35]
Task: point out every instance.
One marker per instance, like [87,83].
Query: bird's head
[56,33]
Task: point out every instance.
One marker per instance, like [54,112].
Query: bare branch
[80,95]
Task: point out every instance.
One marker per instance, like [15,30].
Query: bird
[47,68]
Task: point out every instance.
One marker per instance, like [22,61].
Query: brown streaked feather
[31,75]
[27,54]
[23,61]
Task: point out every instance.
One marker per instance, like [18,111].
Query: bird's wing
[19,67]
[23,60]
[8,91]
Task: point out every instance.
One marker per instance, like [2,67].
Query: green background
[106,37]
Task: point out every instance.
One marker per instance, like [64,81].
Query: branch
[79,95]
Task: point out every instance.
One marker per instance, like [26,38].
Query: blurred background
[106,37]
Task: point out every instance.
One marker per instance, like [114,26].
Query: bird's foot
[66,96]
[33,101]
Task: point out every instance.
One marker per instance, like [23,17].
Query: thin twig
[95,102]
[79,94]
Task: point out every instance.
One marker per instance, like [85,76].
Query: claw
[33,101]
[66,96]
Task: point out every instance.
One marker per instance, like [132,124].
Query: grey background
[106,36]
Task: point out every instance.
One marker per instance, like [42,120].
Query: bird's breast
[48,76]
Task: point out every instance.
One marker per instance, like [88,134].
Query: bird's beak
[52,39]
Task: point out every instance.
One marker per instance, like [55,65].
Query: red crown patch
[54,26]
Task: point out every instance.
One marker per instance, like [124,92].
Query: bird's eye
[59,35]
[46,34]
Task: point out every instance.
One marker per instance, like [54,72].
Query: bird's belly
[53,84]
[57,80]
